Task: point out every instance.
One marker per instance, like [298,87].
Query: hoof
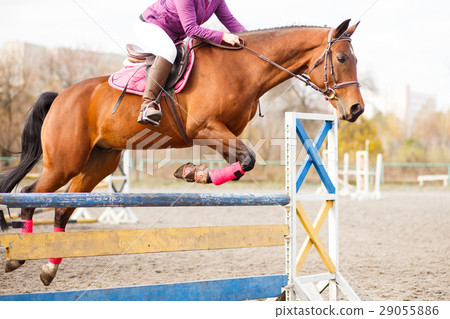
[179,172]
[48,273]
[281,297]
[13,265]
[193,173]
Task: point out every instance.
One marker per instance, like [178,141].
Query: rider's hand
[230,38]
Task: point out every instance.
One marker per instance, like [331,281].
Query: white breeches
[155,40]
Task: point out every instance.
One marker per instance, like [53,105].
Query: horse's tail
[31,147]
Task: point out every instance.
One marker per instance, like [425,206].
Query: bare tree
[66,67]
[27,70]
[16,77]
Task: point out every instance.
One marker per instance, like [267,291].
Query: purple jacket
[182,18]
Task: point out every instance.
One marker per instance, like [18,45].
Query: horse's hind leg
[48,182]
[26,216]
[101,163]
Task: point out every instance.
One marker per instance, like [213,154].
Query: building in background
[404,103]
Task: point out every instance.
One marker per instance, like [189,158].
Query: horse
[81,140]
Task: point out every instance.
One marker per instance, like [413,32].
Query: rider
[169,21]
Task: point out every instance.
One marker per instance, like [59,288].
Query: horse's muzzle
[355,111]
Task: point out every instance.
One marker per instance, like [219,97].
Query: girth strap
[171,100]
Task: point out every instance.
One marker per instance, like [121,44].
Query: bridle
[329,92]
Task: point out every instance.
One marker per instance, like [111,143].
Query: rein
[328,92]
[305,79]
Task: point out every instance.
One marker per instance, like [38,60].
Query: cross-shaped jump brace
[313,157]
[313,236]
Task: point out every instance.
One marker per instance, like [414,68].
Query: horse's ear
[352,29]
[340,30]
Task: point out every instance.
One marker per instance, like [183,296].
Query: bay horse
[81,140]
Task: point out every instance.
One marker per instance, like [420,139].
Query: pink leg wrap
[223,175]
[28,226]
[56,261]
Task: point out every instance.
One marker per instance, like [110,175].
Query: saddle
[132,78]
[138,55]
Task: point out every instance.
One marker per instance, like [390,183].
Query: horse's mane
[282,28]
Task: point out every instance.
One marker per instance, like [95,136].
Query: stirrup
[154,118]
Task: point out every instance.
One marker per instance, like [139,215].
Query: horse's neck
[293,48]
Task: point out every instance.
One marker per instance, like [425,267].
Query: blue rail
[249,288]
[49,200]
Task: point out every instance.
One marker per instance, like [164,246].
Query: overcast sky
[397,42]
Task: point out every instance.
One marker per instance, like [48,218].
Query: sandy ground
[396,248]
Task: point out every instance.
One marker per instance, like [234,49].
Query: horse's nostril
[355,109]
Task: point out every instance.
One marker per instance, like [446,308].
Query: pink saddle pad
[135,77]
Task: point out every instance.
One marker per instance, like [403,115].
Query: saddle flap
[180,65]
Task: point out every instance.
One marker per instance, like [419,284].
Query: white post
[378,176]
[333,215]
[366,172]
[290,188]
[358,173]
[362,173]
[126,170]
[346,173]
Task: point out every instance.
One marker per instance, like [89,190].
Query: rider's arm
[188,18]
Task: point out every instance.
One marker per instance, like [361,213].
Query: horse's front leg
[50,269]
[233,150]
[101,163]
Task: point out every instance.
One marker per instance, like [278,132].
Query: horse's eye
[341,59]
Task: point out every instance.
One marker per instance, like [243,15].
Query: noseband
[329,92]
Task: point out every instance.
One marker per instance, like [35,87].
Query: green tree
[411,151]
[391,132]
[353,136]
